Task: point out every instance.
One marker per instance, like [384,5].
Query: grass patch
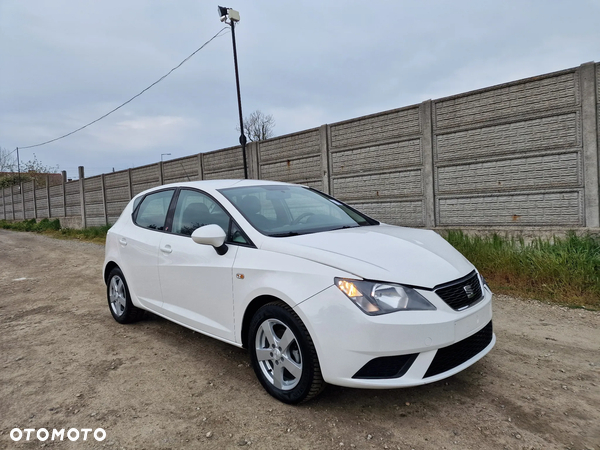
[561,270]
[52,228]
[564,271]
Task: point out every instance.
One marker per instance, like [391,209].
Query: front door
[196,282]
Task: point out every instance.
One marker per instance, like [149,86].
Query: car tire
[283,354]
[119,300]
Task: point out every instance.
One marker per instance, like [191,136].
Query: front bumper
[347,340]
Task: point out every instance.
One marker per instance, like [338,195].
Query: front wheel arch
[251,309]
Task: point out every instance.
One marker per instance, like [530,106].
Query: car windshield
[280,210]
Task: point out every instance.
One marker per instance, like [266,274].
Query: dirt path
[65,363]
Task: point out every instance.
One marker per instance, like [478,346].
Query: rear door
[138,244]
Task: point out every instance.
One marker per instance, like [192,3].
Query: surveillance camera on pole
[234,17]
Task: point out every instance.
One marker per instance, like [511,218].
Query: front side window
[195,209]
[152,211]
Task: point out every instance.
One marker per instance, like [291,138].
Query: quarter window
[152,211]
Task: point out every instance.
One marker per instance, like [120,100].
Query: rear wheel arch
[108,269]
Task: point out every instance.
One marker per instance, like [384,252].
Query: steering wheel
[302,216]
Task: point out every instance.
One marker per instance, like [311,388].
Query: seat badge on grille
[469,291]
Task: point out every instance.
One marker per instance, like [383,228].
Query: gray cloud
[66,62]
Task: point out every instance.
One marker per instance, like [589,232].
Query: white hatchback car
[317,291]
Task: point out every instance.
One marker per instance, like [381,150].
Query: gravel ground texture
[65,363]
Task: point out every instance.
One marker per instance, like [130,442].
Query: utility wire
[132,98]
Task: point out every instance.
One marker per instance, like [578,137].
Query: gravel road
[65,363]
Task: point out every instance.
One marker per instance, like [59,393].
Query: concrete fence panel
[223,164]
[294,158]
[72,199]
[57,201]
[28,199]
[511,154]
[94,202]
[145,177]
[41,196]
[117,194]
[17,202]
[377,164]
[182,169]
[520,154]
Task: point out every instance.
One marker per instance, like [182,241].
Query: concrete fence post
[12,201]
[324,139]
[589,119]
[129,184]
[34,187]
[252,155]
[425,119]
[103,189]
[64,192]
[200,167]
[48,196]
[21,188]
[82,195]
[3,205]
[160,173]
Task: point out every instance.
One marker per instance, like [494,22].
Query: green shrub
[565,270]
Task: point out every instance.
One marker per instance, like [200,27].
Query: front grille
[448,358]
[461,293]
[386,367]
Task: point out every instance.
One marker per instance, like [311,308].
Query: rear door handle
[123,241]
[166,249]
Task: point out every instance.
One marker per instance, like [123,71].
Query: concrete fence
[521,154]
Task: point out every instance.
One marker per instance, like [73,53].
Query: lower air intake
[448,358]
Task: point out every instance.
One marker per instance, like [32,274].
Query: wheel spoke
[292,367]
[263,354]
[121,301]
[269,334]
[286,340]
[278,376]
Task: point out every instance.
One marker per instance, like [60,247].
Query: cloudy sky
[64,63]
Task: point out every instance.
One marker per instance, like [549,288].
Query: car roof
[218,184]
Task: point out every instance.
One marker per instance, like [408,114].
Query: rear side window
[152,211]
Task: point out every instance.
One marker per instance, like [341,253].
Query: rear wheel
[283,354]
[119,300]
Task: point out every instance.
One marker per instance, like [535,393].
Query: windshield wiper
[286,234]
[344,227]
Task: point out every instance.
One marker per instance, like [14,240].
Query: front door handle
[123,241]
[166,249]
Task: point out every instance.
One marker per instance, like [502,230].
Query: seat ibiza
[315,290]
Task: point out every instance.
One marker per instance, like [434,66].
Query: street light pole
[234,17]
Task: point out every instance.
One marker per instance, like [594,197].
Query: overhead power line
[132,98]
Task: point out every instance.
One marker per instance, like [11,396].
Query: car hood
[380,252]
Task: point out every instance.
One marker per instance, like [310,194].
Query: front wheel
[283,354]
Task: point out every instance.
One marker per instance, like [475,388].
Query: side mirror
[211,235]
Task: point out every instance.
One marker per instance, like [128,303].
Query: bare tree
[258,126]
[8,160]
[32,169]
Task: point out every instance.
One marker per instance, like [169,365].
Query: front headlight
[382,298]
